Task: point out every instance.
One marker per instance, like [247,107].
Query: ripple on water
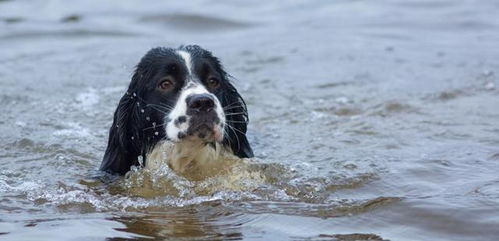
[343,237]
[393,107]
[244,182]
[73,33]
[196,22]
[339,208]
[251,182]
[264,187]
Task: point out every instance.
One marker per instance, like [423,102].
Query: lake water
[370,120]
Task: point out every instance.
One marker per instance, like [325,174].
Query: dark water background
[369,119]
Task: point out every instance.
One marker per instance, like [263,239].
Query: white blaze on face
[187,59]
[191,87]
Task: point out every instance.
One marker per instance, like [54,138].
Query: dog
[181,109]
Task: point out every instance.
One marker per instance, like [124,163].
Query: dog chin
[203,133]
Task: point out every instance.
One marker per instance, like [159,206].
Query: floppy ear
[237,117]
[122,151]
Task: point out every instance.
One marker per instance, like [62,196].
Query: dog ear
[236,114]
[237,122]
[124,145]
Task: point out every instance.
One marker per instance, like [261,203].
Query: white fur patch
[180,109]
[187,59]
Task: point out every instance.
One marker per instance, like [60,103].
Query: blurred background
[370,120]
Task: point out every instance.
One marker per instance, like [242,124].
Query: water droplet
[147,118]
[134,94]
[490,86]
[133,137]
[142,110]
[488,73]
[140,159]
[156,133]
[342,100]
[138,104]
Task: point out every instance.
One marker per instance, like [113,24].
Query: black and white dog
[180,109]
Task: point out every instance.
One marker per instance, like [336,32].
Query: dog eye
[165,84]
[213,83]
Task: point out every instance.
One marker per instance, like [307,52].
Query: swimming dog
[180,108]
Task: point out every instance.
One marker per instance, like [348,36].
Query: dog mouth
[203,129]
[205,132]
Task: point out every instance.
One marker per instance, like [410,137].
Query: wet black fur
[142,108]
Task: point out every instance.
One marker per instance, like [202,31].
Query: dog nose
[200,102]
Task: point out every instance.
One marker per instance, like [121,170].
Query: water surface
[369,120]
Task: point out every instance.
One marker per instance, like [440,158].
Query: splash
[235,175]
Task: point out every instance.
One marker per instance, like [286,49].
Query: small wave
[87,99]
[73,129]
[343,237]
[195,22]
[243,181]
[74,33]
[393,107]
[237,175]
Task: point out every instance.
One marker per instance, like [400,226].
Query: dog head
[176,95]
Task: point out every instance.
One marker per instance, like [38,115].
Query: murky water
[370,120]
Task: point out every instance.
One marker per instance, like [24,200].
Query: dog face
[176,95]
[197,113]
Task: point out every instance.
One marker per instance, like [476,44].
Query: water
[369,120]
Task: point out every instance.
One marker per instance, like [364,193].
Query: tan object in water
[193,159]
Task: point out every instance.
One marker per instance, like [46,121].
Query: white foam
[87,99]
[73,129]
